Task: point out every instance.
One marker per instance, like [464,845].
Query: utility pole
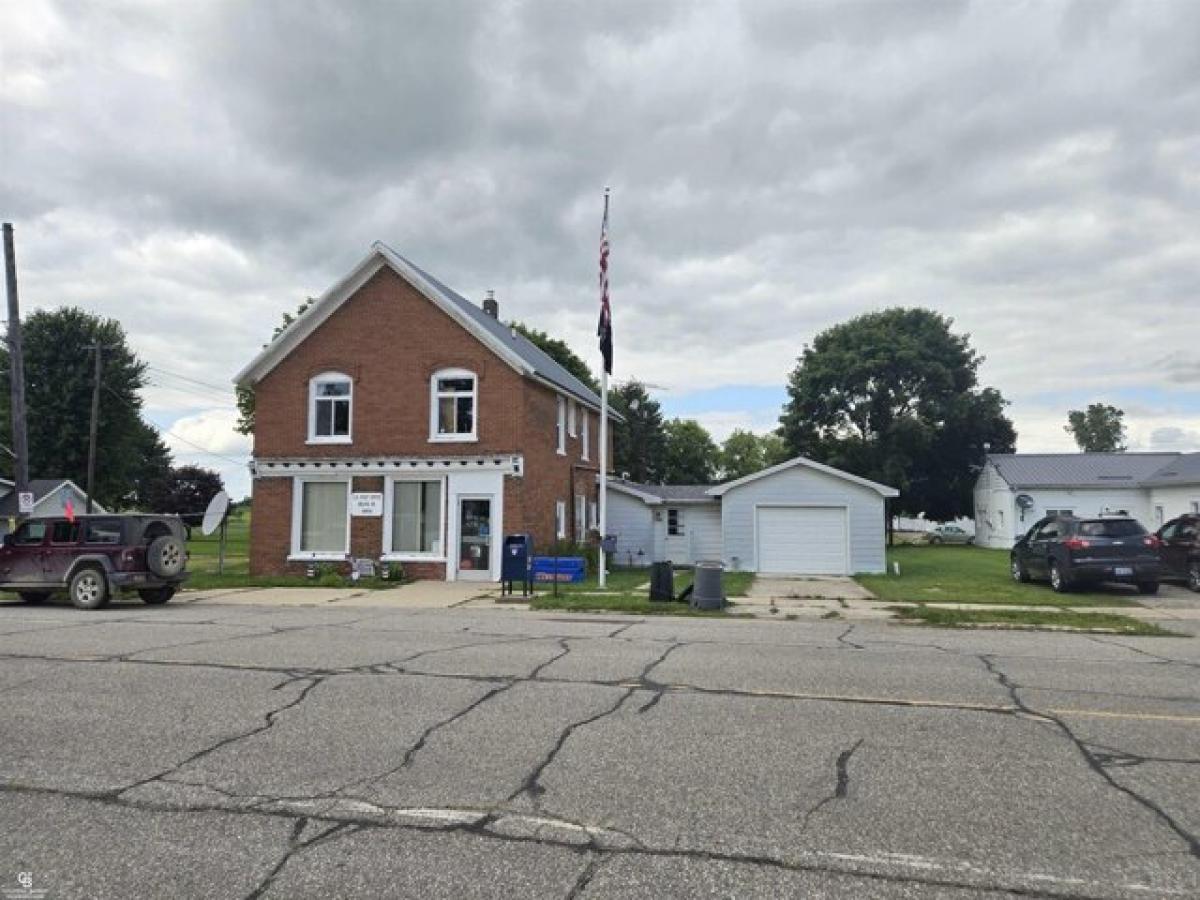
[91,473]
[16,362]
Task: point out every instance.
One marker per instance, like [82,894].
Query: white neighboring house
[1015,490]
[50,498]
[796,518]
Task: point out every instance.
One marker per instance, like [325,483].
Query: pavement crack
[844,640]
[563,643]
[1092,760]
[594,862]
[295,846]
[532,786]
[842,785]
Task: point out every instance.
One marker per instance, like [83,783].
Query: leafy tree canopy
[185,491]
[690,455]
[894,396]
[1099,429]
[745,453]
[639,444]
[59,370]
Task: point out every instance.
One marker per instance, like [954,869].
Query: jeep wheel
[157,596]
[1194,577]
[165,556]
[34,596]
[89,588]
[1058,581]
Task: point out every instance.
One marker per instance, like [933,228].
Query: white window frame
[585,436]
[434,406]
[595,515]
[580,517]
[313,383]
[572,422]
[560,520]
[678,526]
[389,500]
[561,426]
[296,553]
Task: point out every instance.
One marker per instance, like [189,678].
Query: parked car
[950,534]
[1067,551]
[94,556]
[1179,550]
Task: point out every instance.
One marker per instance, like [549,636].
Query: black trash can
[707,591]
[515,563]
[662,582]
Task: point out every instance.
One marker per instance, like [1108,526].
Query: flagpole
[603,573]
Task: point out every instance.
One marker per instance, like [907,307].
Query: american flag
[604,329]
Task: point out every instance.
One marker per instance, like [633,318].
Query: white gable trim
[329,302]
[648,499]
[882,489]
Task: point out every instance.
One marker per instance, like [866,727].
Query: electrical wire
[163,430]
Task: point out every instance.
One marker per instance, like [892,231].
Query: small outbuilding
[797,518]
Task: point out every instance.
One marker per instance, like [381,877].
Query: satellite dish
[218,506]
[1023,500]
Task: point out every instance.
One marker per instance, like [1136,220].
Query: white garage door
[796,540]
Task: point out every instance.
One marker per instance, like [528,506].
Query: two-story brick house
[398,421]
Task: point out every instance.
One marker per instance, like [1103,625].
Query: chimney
[490,306]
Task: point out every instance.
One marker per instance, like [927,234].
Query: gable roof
[1183,469]
[1078,470]
[882,489]
[511,346]
[657,494]
[43,489]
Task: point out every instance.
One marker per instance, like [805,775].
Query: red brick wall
[390,339]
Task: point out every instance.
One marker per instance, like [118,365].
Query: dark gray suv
[1067,551]
[94,556]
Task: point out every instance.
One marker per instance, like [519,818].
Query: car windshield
[1111,528]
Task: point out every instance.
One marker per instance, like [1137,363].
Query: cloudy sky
[1031,169]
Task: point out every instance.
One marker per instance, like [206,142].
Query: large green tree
[690,455]
[59,366]
[744,453]
[894,396]
[186,491]
[1098,429]
[640,443]
[560,352]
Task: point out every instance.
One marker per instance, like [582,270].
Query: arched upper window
[330,408]
[453,405]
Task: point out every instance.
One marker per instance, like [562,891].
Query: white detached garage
[797,518]
[803,518]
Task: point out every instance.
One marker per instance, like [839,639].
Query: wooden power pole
[16,363]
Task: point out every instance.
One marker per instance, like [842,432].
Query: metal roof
[666,493]
[1183,469]
[1079,470]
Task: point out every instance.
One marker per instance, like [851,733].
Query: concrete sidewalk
[416,595]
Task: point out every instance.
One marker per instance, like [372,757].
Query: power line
[162,429]
[201,395]
[225,389]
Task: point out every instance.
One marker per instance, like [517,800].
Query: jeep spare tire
[165,556]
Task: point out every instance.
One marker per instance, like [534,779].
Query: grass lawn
[627,591]
[973,575]
[203,549]
[1107,623]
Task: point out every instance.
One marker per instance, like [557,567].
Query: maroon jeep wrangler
[94,556]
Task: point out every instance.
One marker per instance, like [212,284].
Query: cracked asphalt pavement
[293,752]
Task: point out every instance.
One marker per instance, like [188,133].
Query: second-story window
[561,426]
[330,398]
[453,406]
[584,437]
[571,430]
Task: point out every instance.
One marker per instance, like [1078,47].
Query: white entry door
[475,536]
[802,540]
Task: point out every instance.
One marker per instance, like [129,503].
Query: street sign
[25,502]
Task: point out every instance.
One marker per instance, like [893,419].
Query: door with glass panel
[475,539]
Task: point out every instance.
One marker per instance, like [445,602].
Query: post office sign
[366,504]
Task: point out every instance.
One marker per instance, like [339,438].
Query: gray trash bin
[708,592]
